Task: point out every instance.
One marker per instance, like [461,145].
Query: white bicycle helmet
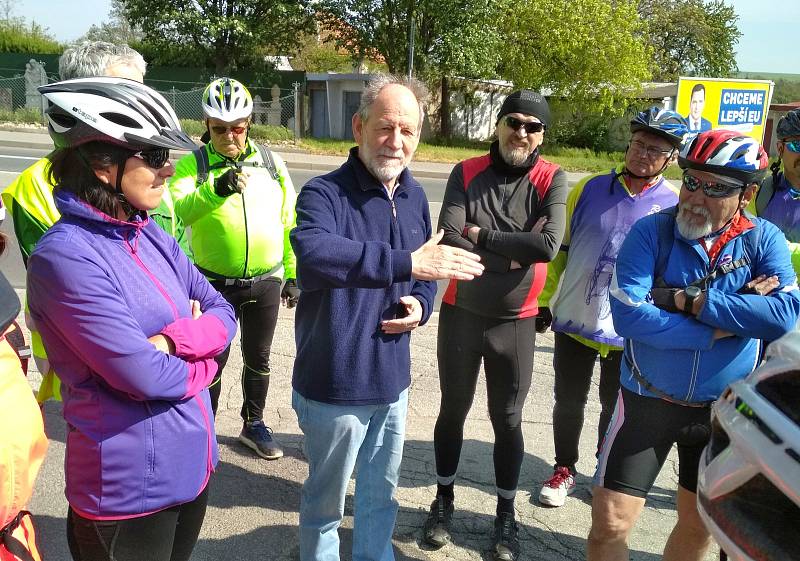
[748,491]
[116,110]
[228,100]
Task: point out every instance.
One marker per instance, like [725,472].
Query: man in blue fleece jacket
[366,263]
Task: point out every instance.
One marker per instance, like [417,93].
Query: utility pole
[411,27]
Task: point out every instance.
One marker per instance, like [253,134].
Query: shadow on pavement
[474,532]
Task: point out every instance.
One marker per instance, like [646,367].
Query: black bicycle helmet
[789,125]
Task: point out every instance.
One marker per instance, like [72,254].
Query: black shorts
[640,437]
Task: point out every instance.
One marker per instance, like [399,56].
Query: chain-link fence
[12,93]
[271,106]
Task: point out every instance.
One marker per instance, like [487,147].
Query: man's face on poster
[697,103]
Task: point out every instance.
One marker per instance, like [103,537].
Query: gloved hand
[664,299]
[228,183]
[543,319]
[290,293]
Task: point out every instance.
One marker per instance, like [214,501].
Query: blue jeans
[339,438]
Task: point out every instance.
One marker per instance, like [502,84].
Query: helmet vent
[62,120]
[121,120]
[155,114]
[783,391]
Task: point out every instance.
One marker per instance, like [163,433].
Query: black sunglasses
[530,128]
[156,158]
[710,188]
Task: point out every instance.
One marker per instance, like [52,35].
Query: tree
[117,30]
[225,35]
[451,37]
[587,51]
[690,37]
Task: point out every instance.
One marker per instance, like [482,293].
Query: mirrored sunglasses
[219,129]
[156,158]
[711,189]
[792,146]
[530,128]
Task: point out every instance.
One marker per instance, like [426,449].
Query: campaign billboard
[721,103]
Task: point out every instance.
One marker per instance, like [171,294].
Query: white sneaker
[556,489]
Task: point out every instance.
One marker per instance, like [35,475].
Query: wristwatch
[692,293]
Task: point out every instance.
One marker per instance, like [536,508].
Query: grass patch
[21,115]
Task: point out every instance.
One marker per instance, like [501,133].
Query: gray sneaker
[436,530]
[258,436]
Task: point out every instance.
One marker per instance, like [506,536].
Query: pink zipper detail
[150,275]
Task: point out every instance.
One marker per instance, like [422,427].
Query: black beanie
[527,102]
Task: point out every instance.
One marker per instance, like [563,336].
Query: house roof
[791,106]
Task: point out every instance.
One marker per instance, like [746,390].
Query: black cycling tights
[506,347]
[256,307]
[167,535]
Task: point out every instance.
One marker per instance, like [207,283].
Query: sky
[768,27]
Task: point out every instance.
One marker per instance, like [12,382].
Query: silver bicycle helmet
[748,490]
[227,99]
[116,110]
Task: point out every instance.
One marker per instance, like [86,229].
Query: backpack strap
[201,157]
[765,194]
[666,227]
[269,160]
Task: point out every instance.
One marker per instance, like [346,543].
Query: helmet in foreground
[748,490]
[228,100]
[667,124]
[788,125]
[725,152]
[115,110]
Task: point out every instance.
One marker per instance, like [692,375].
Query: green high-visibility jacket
[241,235]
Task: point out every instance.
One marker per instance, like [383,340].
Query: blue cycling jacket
[676,352]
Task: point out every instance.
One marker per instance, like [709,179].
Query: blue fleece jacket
[353,246]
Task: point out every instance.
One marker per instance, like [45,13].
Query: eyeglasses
[792,145]
[652,152]
[219,129]
[530,128]
[156,158]
[711,189]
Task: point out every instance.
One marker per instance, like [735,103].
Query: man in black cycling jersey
[508,207]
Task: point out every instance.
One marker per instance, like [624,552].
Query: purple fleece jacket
[140,429]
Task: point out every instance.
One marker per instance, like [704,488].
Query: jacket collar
[71,206]
[243,155]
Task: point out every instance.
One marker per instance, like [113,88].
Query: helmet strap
[126,206]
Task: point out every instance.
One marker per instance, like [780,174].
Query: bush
[18,37]
[21,115]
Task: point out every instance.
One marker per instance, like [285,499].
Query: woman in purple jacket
[129,324]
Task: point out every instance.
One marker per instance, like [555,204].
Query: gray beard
[692,231]
[385,174]
[515,157]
